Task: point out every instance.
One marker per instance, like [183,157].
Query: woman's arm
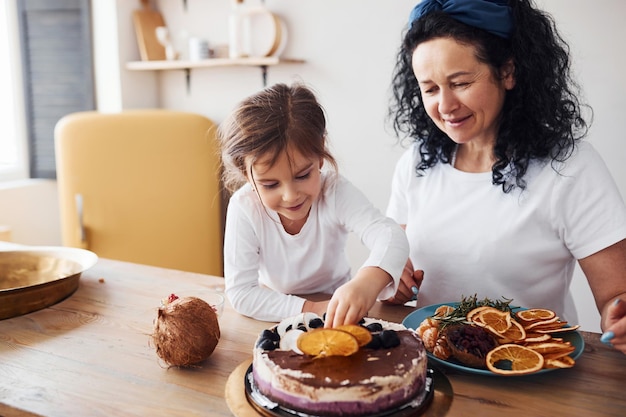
[606,273]
[410,282]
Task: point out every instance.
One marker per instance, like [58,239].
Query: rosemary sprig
[467,304]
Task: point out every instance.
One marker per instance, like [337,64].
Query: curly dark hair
[541,117]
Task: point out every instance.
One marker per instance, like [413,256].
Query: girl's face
[289,187]
[460,93]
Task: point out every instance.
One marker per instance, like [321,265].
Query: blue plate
[413,320]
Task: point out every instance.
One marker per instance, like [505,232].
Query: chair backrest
[142,186]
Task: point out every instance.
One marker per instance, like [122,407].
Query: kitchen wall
[349,47]
[29,212]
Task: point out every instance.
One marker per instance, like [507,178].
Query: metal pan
[32,278]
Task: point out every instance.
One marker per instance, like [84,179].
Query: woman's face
[289,187]
[459,93]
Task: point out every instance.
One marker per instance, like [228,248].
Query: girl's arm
[241,272]
[380,274]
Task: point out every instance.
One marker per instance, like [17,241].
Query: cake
[387,373]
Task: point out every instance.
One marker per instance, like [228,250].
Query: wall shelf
[187,66]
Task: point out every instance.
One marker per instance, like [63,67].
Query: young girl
[286,227]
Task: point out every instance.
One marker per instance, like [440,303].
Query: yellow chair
[142,186]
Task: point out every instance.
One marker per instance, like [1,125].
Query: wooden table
[90,355]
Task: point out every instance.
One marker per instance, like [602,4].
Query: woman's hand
[615,333]
[410,282]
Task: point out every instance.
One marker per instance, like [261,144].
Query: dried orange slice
[472,316]
[542,324]
[551,347]
[515,333]
[513,359]
[532,337]
[563,329]
[327,342]
[564,362]
[362,335]
[495,320]
[558,355]
[535,314]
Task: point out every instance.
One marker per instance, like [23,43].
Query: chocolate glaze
[334,371]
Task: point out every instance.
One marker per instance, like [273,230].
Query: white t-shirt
[263,264]
[470,237]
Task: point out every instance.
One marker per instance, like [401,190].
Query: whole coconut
[186,331]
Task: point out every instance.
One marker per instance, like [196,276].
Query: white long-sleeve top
[264,266]
[470,237]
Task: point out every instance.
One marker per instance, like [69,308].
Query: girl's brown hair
[266,123]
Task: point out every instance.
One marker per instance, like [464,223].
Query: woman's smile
[457,121]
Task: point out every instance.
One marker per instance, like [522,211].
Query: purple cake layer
[344,408]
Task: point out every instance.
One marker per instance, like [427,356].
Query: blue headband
[494,16]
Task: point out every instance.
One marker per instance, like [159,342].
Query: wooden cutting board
[146,20]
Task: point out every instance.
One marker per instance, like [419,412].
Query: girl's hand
[615,334]
[317,307]
[351,302]
[410,282]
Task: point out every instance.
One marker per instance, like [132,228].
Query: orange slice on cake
[327,342]
[362,335]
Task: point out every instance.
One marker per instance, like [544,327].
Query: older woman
[499,194]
